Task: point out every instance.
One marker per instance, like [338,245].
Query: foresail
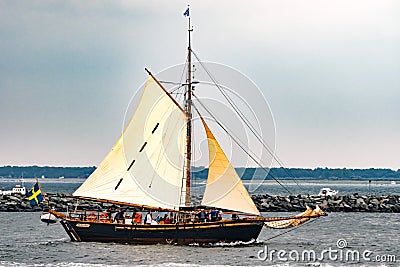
[224,189]
[145,166]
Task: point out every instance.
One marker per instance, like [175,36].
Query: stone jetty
[339,203]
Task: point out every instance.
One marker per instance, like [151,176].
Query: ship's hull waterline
[201,233]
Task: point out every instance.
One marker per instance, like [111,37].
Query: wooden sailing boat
[149,168]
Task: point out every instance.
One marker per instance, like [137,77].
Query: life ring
[104,218]
[91,217]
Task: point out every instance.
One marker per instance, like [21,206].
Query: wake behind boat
[149,170]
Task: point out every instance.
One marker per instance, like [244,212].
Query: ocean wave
[77,264]
[44,243]
[171,264]
[61,264]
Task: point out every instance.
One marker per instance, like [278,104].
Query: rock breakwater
[339,203]
[265,203]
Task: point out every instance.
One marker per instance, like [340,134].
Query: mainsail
[145,166]
[224,189]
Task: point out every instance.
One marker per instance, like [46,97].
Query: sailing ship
[149,169]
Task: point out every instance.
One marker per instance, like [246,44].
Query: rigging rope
[246,121]
[240,145]
[181,94]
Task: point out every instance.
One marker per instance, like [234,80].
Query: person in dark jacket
[213,214]
[119,217]
[202,216]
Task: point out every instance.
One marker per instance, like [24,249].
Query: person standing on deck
[149,218]
[202,216]
[213,214]
[138,217]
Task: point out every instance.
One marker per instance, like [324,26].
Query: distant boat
[61,177]
[18,189]
[326,191]
[393,183]
[43,177]
[47,217]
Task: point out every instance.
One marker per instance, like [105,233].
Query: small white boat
[393,183]
[47,217]
[16,190]
[326,191]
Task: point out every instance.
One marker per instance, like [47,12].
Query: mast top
[190,29]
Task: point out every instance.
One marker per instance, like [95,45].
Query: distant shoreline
[332,174]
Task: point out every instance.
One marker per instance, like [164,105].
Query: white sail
[224,189]
[145,166]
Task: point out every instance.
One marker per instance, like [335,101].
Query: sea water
[311,187]
[26,241]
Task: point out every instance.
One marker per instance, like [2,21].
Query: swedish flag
[35,195]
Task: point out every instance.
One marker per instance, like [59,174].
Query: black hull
[201,233]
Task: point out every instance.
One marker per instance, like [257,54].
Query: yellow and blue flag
[35,195]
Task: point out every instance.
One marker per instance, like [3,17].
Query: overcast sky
[330,71]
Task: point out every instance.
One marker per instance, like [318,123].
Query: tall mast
[188,109]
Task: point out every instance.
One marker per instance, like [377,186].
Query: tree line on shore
[45,171]
[201,173]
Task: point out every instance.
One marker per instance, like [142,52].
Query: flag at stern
[35,195]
